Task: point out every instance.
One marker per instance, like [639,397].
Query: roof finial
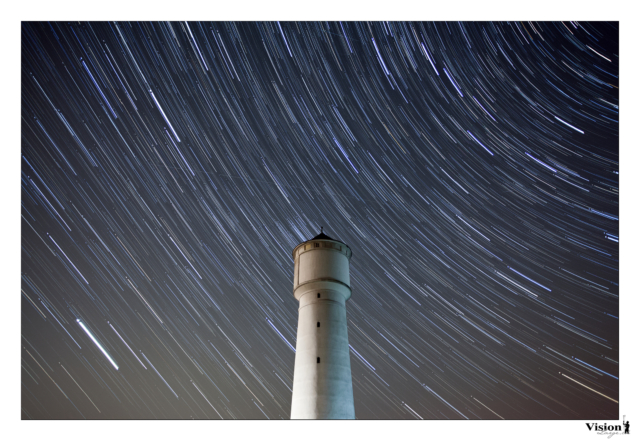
[321,230]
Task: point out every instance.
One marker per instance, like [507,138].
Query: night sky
[169,169]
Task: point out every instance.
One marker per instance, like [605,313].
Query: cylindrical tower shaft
[322,387]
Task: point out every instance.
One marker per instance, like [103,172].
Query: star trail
[170,168]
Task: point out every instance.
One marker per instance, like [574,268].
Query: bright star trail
[106,354]
[169,169]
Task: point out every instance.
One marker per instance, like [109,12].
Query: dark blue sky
[168,170]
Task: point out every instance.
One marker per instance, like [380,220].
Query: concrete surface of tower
[322,386]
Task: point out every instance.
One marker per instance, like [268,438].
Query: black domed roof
[323,236]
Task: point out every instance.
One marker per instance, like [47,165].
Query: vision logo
[610,429]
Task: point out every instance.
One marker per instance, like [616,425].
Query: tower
[322,386]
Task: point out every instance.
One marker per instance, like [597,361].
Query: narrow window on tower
[318,324]
[318,295]
[318,360]
[317,245]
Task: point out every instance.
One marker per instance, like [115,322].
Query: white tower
[322,386]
